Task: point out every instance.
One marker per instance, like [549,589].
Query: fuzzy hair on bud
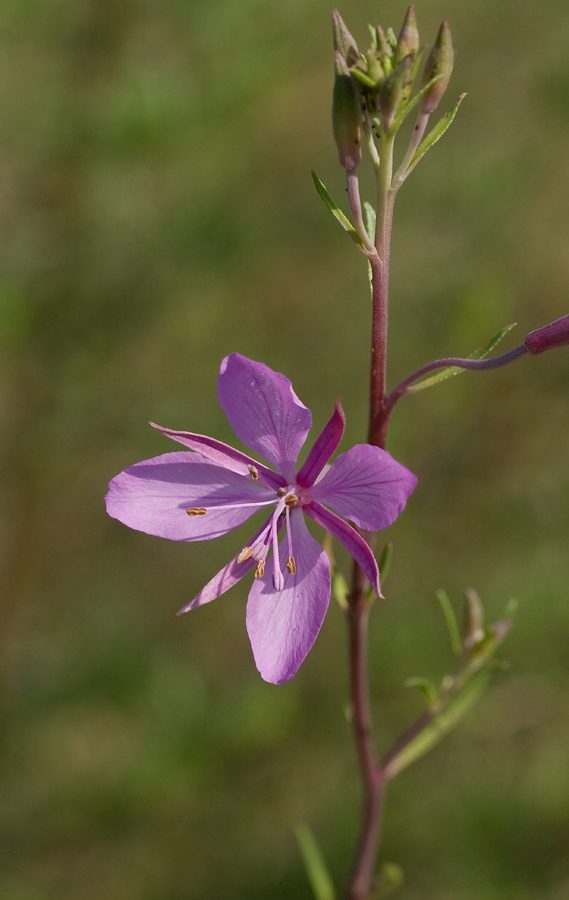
[344,43]
[439,65]
[556,334]
[408,40]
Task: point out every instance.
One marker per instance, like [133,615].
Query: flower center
[287,500]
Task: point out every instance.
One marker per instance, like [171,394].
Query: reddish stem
[373,775]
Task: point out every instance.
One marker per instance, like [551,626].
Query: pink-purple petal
[323,448]
[223,455]
[350,539]
[367,486]
[264,411]
[153,496]
[225,579]
[283,625]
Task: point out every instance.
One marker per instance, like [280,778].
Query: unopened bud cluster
[374,87]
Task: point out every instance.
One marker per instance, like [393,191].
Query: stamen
[254,472]
[260,570]
[281,492]
[278,577]
[196,511]
[291,501]
[290,563]
[246,553]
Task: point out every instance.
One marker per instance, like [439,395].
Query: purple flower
[201,495]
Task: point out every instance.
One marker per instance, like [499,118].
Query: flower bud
[343,40]
[439,65]
[408,40]
[556,334]
[346,116]
[394,90]
[374,67]
[384,48]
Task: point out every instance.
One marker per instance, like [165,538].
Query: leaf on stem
[440,725]
[435,134]
[316,868]
[451,621]
[443,374]
[369,217]
[426,687]
[458,692]
[337,212]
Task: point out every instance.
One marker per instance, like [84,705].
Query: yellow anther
[246,553]
[291,501]
[254,472]
[196,511]
[281,492]
[291,565]
[260,570]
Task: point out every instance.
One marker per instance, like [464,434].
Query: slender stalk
[475,365]
[353,188]
[364,867]
[373,777]
[380,288]
[416,138]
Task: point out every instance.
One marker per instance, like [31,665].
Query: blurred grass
[156,213]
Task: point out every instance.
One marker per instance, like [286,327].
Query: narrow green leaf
[336,211]
[369,218]
[426,687]
[316,868]
[392,38]
[450,619]
[435,134]
[440,725]
[451,371]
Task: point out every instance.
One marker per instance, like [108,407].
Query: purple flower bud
[343,40]
[408,40]
[556,334]
[346,116]
[439,65]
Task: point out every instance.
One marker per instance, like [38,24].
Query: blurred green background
[157,212]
